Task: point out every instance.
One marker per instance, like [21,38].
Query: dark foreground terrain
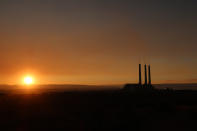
[100,110]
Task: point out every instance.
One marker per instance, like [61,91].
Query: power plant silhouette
[147,85]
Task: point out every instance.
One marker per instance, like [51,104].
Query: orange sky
[97,42]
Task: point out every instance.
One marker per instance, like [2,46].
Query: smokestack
[145,75]
[149,76]
[140,77]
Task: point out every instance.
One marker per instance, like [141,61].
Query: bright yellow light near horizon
[28,80]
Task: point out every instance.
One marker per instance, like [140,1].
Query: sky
[97,41]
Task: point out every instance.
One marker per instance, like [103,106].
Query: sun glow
[28,80]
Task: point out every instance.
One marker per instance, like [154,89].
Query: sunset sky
[97,41]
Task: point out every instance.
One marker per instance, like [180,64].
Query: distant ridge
[178,86]
[54,88]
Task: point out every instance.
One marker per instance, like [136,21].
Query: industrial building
[147,83]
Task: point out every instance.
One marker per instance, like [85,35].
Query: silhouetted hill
[69,87]
[21,89]
[188,86]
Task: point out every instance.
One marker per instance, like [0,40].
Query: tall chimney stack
[149,76]
[145,75]
[140,77]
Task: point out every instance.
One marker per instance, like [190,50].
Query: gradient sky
[97,41]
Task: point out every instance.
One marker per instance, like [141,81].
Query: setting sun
[28,80]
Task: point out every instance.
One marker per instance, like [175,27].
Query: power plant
[147,80]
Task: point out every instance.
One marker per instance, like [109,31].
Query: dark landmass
[37,89]
[121,110]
